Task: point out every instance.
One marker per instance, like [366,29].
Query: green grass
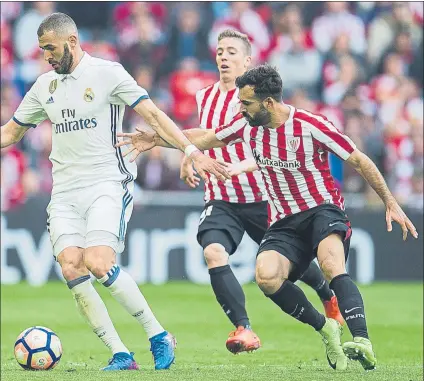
[291,350]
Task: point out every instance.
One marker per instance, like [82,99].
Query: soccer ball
[38,348]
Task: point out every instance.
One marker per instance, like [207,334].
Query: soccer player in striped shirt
[84,98]
[306,213]
[237,206]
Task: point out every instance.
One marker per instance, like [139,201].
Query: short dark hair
[60,23]
[265,80]
[232,33]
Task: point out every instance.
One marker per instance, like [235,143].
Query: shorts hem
[204,243]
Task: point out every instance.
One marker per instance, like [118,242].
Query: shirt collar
[76,73]
[291,115]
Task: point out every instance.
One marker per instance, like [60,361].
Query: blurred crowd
[360,64]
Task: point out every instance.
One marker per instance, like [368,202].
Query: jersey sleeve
[30,112]
[233,132]
[126,88]
[329,136]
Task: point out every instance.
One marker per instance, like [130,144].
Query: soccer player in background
[237,206]
[84,97]
[306,211]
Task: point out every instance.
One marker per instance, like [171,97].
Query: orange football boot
[242,340]
[332,310]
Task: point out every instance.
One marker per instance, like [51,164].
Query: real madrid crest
[88,95]
[53,86]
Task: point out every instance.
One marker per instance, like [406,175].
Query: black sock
[229,294]
[351,304]
[314,278]
[293,301]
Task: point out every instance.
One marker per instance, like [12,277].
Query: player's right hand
[233,169]
[203,164]
[137,142]
[187,173]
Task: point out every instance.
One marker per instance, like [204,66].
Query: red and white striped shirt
[293,160]
[217,108]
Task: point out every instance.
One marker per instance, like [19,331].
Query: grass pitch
[290,351]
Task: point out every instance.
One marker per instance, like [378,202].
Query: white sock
[93,309]
[124,289]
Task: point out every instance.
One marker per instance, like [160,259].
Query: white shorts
[87,217]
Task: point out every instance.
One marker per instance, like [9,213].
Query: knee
[331,266]
[72,264]
[331,256]
[272,269]
[269,279]
[215,255]
[99,260]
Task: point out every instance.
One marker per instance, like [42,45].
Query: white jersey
[86,109]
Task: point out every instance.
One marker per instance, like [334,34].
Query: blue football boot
[122,361]
[162,347]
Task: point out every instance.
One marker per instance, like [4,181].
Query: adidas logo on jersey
[50,100]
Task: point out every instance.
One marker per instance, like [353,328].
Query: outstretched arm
[202,139]
[368,170]
[162,124]
[173,136]
[333,140]
[12,133]
[144,140]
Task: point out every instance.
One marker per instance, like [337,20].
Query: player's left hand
[138,142]
[203,163]
[187,173]
[395,213]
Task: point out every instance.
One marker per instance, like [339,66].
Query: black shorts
[225,223]
[297,236]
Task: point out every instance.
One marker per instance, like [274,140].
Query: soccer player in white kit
[85,98]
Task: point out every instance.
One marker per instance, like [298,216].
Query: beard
[65,64]
[261,118]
